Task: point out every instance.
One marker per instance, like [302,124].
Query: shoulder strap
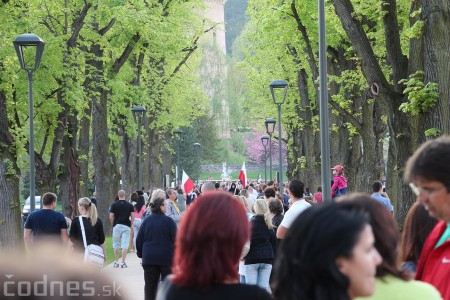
[82,231]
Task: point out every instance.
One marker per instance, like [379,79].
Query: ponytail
[90,208]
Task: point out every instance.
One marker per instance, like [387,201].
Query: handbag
[93,254]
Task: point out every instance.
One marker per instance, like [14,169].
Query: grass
[109,250]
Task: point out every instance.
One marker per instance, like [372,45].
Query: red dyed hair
[210,240]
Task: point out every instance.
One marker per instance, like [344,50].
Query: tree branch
[105,29]
[190,51]
[126,53]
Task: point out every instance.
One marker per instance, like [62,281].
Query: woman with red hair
[208,247]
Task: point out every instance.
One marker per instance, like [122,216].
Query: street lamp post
[197,150]
[324,114]
[24,45]
[265,143]
[178,134]
[278,88]
[270,128]
[138,115]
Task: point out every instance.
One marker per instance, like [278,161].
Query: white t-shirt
[296,209]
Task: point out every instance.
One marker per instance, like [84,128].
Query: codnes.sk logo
[46,287]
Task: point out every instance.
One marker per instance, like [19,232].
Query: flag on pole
[243,175]
[187,183]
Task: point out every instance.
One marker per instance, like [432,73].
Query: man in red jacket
[428,172]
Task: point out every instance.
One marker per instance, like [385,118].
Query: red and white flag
[243,175]
[187,183]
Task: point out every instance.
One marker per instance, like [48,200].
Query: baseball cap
[337,168]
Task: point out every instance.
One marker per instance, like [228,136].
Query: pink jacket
[339,182]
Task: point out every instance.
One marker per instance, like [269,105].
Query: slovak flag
[187,183]
[243,175]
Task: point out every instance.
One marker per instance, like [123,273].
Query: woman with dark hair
[327,254]
[392,282]
[269,192]
[418,224]
[233,189]
[276,209]
[139,210]
[207,252]
[155,245]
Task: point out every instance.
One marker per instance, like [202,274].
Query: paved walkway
[130,279]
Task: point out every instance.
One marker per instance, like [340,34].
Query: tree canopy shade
[101,58]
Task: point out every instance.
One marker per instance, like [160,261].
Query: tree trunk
[83,150]
[436,62]
[69,174]
[10,219]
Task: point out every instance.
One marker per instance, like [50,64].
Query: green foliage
[432,132]
[421,96]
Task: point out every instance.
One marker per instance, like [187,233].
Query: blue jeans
[258,274]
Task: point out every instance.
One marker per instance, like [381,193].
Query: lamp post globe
[138,115]
[278,89]
[29,48]
[270,128]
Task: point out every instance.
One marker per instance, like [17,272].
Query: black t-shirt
[122,210]
[94,234]
[219,292]
[45,222]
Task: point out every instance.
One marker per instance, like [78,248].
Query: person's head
[180,191]
[171,194]
[244,193]
[385,231]
[48,199]
[271,183]
[275,207]
[85,206]
[121,195]
[338,170]
[319,189]
[217,185]
[134,197]
[157,193]
[377,186]
[207,187]
[296,188]
[335,260]
[203,224]
[50,275]
[243,201]
[307,190]
[418,224]
[94,195]
[158,205]
[233,186]
[269,192]
[139,203]
[428,173]
[139,192]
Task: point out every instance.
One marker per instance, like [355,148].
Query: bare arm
[27,238]
[111,218]
[281,232]
[64,235]
[132,218]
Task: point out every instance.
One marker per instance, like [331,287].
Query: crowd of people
[262,241]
